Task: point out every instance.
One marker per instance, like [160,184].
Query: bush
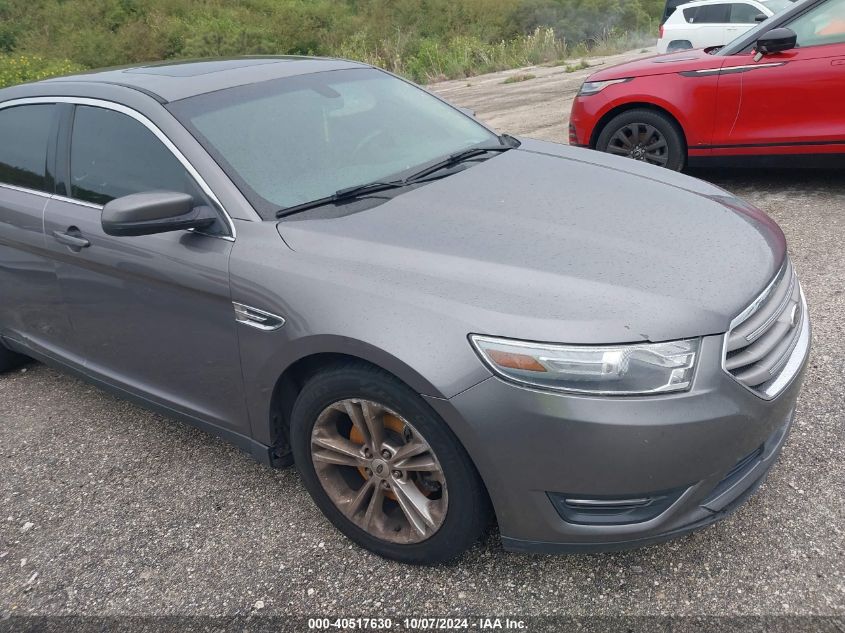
[16,69]
[421,39]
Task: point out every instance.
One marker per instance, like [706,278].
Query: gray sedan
[331,267]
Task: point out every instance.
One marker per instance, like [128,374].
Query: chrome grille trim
[773,317]
[761,348]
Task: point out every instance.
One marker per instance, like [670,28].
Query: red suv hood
[661,65]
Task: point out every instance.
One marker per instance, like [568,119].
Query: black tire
[9,360]
[644,122]
[468,511]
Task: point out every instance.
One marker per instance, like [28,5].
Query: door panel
[789,98]
[152,313]
[31,308]
[709,35]
[790,101]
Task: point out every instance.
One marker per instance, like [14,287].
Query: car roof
[175,80]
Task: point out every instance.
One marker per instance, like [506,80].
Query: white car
[714,22]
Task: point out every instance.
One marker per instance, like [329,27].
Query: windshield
[290,141]
[778,5]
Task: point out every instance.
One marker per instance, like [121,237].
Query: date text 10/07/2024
[415,624]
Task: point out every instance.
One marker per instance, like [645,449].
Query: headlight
[594,87]
[617,370]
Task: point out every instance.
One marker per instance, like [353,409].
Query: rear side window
[671,5]
[113,155]
[742,13]
[713,14]
[691,15]
[24,136]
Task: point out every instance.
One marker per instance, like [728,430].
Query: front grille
[764,338]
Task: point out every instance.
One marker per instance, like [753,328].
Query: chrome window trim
[152,127]
[34,192]
[81,203]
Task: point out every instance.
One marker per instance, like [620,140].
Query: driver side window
[825,24]
[113,155]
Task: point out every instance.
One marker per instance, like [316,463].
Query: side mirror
[761,17]
[155,212]
[468,112]
[777,41]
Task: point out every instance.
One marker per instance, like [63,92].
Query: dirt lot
[109,509]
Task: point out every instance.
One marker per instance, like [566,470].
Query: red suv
[778,90]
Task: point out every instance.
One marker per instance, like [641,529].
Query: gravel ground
[108,509]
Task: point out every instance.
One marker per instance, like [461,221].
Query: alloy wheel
[642,142]
[379,471]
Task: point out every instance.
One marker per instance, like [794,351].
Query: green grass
[519,78]
[458,57]
[582,65]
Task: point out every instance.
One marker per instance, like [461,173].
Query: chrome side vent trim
[259,319]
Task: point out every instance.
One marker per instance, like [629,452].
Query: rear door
[31,307]
[791,102]
[710,23]
[743,18]
[151,314]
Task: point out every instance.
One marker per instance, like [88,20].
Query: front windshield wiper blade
[343,194]
[456,159]
[506,142]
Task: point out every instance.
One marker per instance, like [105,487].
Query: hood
[551,243]
[681,61]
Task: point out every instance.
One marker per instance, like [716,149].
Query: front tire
[384,468]
[645,135]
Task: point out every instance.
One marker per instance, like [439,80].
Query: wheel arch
[686,45]
[318,356]
[636,105]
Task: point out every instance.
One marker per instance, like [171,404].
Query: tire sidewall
[466,514]
[666,126]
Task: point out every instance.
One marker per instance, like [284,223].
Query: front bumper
[708,449]
[582,120]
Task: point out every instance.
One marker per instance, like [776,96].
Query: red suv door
[788,102]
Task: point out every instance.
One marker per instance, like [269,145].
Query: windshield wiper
[456,159]
[343,194]
[506,142]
